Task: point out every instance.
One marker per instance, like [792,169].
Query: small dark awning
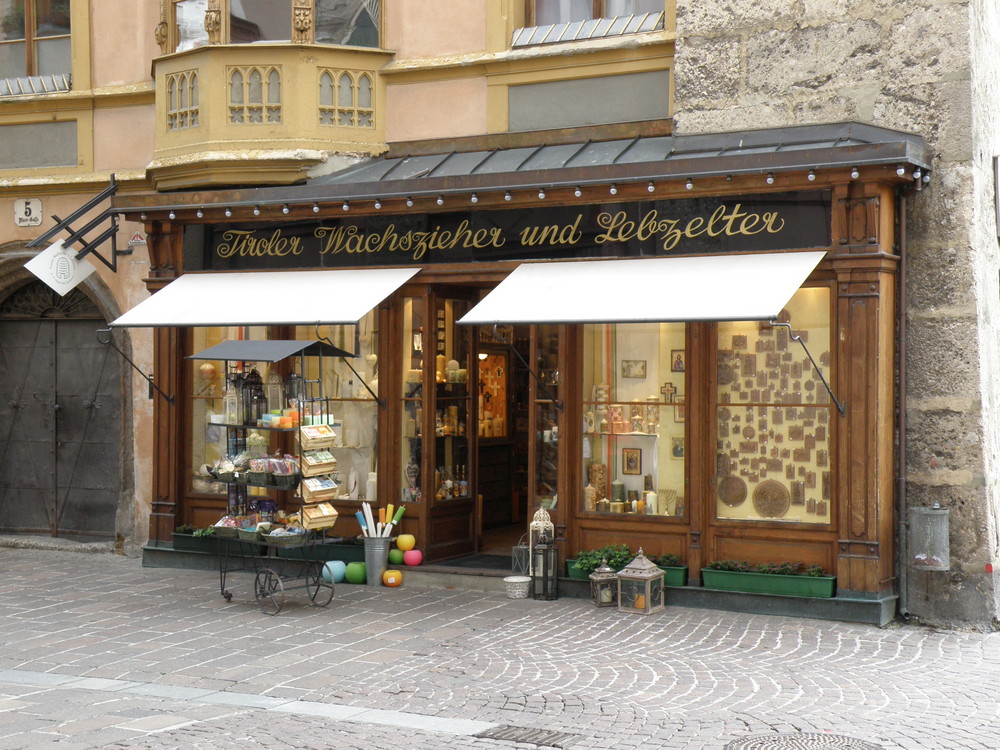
[250,350]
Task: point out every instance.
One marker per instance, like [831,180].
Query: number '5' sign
[27,212]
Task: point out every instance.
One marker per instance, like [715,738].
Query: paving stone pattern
[99,652]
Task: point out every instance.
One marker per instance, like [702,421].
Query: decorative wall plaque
[771,499]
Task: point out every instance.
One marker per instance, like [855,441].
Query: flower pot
[573,572]
[674,575]
[769,583]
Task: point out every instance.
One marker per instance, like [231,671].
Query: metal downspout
[901,521]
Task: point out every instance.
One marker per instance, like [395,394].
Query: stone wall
[916,66]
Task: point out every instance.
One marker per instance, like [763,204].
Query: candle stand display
[259,416]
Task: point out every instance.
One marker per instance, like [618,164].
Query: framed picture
[631,461]
[676,360]
[633,368]
[678,408]
[677,447]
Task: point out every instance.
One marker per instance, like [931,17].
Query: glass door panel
[451,347]
[412,426]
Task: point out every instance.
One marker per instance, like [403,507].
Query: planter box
[674,575]
[769,583]
[574,573]
[326,551]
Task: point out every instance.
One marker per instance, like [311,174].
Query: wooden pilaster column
[865,264]
[166,253]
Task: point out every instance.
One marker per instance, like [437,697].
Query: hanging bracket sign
[60,268]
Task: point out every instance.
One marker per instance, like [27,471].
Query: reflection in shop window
[634,443]
[567,11]
[773,416]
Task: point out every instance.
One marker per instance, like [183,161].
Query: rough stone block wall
[915,67]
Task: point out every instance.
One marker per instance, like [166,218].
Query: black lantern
[604,586]
[545,569]
[254,400]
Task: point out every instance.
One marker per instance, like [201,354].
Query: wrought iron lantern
[640,586]
[519,557]
[254,400]
[604,586]
[545,569]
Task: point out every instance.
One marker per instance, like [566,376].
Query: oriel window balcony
[257,93]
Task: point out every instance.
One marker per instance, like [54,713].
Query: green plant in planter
[787,578]
[208,531]
[617,556]
[666,560]
[185,528]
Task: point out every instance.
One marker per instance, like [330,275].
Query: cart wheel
[269,591]
[320,592]
[227,595]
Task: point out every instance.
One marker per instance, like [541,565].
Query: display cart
[279,563]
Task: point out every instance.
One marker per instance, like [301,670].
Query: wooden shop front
[682,343]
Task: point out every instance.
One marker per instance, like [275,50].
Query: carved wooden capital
[213,22]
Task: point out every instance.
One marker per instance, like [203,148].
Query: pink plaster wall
[447,109]
[434,28]
[123,138]
[122,41]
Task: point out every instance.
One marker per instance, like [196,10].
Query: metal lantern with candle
[540,530]
[545,569]
[640,586]
[604,586]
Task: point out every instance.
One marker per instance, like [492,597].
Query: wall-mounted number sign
[27,212]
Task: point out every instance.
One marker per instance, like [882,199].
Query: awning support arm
[842,408]
[379,401]
[149,378]
[541,383]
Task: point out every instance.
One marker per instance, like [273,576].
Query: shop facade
[684,344]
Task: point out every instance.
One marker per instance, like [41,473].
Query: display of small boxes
[318,488]
[313,436]
[317,462]
[318,516]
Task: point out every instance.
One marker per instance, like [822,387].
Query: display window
[773,415]
[546,417]
[634,414]
[211,381]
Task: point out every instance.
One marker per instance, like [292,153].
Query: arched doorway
[60,395]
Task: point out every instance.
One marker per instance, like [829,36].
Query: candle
[606,595]
[640,601]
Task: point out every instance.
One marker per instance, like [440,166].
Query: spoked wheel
[320,592]
[269,591]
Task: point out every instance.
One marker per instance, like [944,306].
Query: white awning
[267,298]
[678,288]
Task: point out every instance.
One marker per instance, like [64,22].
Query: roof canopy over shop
[428,182]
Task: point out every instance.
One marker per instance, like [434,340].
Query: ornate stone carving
[213,22]
[162,37]
[302,24]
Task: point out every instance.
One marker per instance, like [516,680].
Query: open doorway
[502,382]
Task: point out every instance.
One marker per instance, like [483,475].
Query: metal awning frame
[840,146]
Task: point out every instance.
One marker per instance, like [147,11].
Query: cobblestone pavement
[99,652]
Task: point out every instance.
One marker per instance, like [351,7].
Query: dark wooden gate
[59,417]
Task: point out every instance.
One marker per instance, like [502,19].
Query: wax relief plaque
[748,365]
[790,471]
[795,433]
[826,485]
[810,506]
[774,465]
[773,361]
[821,507]
[821,458]
[810,441]
[811,480]
[820,434]
[798,493]
[739,342]
[801,455]
[771,499]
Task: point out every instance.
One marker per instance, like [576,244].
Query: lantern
[545,571]
[541,530]
[640,586]
[520,562]
[604,586]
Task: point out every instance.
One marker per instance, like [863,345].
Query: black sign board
[744,223]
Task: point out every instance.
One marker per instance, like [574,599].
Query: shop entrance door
[59,417]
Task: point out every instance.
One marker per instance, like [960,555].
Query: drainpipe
[902,557]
